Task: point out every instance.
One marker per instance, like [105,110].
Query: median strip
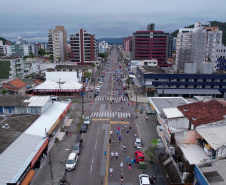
[100,119]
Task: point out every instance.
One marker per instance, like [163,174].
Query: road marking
[91,166]
[107,162]
[98,131]
[96,145]
[92,114]
[100,119]
[119,122]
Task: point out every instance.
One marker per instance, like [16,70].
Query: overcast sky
[31,19]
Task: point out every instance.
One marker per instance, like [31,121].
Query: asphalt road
[93,166]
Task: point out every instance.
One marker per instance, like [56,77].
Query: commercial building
[151,44]
[25,137]
[156,82]
[11,67]
[57,42]
[83,47]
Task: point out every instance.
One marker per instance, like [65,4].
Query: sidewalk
[141,98]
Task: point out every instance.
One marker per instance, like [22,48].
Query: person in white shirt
[116,155]
[111,132]
[112,155]
[121,165]
[110,170]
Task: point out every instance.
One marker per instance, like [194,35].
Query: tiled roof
[200,113]
[38,81]
[14,84]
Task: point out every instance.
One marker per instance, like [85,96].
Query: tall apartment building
[151,44]
[127,45]
[57,41]
[197,45]
[5,49]
[83,47]
[103,46]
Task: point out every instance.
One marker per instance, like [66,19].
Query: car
[124,87]
[96,93]
[100,82]
[103,75]
[77,148]
[87,120]
[72,161]
[144,179]
[139,156]
[83,128]
[126,92]
[138,142]
[98,88]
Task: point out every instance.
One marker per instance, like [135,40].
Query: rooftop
[200,113]
[18,124]
[214,172]
[151,70]
[9,57]
[73,66]
[160,103]
[188,91]
[172,113]
[14,84]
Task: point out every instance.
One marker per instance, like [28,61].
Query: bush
[56,140]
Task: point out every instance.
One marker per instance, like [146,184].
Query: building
[21,48]
[83,47]
[157,82]
[151,44]
[25,137]
[5,49]
[103,47]
[170,47]
[16,86]
[220,54]
[97,48]
[127,45]
[197,45]
[57,42]
[11,67]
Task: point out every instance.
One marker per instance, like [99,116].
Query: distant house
[16,86]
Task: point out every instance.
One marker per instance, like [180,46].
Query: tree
[2,54]
[51,57]
[128,81]
[41,52]
[150,152]
[87,74]
[93,64]
[3,91]
[103,55]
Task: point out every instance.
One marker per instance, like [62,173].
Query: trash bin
[142,165]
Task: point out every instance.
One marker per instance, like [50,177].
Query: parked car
[98,88]
[139,156]
[72,161]
[83,128]
[77,148]
[124,87]
[138,142]
[144,179]
[87,120]
[96,93]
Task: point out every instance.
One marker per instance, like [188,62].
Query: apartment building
[5,49]
[103,47]
[127,45]
[83,47]
[151,44]
[197,45]
[57,41]
[220,54]
[11,67]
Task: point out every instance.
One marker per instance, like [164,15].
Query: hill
[4,40]
[221,25]
[112,40]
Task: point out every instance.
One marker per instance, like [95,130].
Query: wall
[187,137]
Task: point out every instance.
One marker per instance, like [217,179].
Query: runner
[132,162]
[122,179]
[124,147]
[123,129]
[112,155]
[116,155]
[130,127]
[111,132]
[110,170]
[127,132]
[119,139]
[127,159]
[117,132]
[130,168]
[113,141]
[121,165]
[105,153]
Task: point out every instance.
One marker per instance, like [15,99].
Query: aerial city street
[112,92]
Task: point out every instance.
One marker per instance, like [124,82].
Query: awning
[28,177]
[136,82]
[188,91]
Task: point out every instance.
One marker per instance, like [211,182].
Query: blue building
[221,65]
[157,82]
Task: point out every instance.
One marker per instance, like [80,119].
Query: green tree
[87,74]
[128,81]
[2,54]
[150,152]
[93,64]
[51,57]
[3,91]
[41,52]
[103,55]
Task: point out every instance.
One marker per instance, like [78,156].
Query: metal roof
[62,76]
[160,103]
[188,91]
[38,101]
[214,135]
[172,113]
[20,153]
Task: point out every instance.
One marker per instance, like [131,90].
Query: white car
[72,161]
[98,88]
[138,142]
[87,120]
[144,179]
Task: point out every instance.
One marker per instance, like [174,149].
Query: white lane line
[102,114]
[129,115]
[92,114]
[105,114]
[97,114]
[98,131]
[113,115]
[91,166]
[110,114]
[96,145]
[124,115]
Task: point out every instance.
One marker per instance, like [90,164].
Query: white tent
[71,85]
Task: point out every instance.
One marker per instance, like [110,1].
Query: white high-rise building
[103,46]
[5,49]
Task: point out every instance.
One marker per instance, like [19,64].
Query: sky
[31,19]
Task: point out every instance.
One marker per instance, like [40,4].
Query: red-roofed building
[16,86]
[201,113]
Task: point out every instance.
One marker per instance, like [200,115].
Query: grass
[75,101]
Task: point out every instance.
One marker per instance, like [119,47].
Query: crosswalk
[110,115]
[109,98]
